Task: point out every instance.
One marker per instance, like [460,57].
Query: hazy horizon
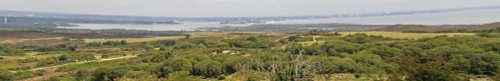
[234,8]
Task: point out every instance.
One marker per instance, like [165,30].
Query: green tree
[83,75]
[182,76]
[252,39]
[94,44]
[162,48]
[252,79]
[187,36]
[294,38]
[221,77]
[109,73]
[209,68]
[337,33]
[185,46]
[385,51]
[40,72]
[123,42]
[413,70]
[180,65]
[166,42]
[341,47]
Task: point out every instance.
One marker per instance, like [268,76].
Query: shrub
[23,74]
[251,79]
[221,77]
[40,72]
[6,75]
[182,76]
[166,42]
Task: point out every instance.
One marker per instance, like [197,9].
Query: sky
[234,8]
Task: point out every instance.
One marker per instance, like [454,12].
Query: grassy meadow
[135,40]
[401,35]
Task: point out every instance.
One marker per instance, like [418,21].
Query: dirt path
[51,70]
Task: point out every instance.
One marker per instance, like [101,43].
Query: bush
[221,77]
[65,59]
[109,74]
[182,76]
[115,43]
[251,79]
[431,75]
[185,46]
[40,72]
[6,75]
[489,35]
[166,42]
[23,74]
[209,68]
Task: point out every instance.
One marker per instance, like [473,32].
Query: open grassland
[30,39]
[401,35]
[7,64]
[203,35]
[135,40]
[21,36]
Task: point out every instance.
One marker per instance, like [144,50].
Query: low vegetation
[400,35]
[302,56]
[135,40]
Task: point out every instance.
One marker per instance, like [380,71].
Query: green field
[135,40]
[406,35]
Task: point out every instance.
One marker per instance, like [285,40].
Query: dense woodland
[255,57]
[24,20]
[293,27]
[52,28]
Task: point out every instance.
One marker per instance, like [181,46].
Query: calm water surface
[186,26]
[460,17]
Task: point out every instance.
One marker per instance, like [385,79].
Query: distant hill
[30,20]
[223,20]
[60,18]
[294,27]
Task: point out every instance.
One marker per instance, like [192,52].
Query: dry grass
[407,35]
[135,40]
[19,40]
